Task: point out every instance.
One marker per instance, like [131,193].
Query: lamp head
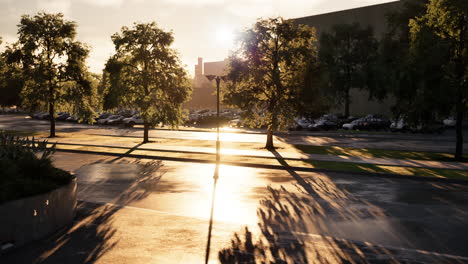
[210,77]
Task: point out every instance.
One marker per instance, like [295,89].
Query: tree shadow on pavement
[304,226]
[92,233]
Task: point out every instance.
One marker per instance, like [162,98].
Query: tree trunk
[52,120]
[459,130]
[269,143]
[145,133]
[461,91]
[347,99]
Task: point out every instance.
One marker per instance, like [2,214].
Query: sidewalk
[287,153]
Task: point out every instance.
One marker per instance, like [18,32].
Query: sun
[225,36]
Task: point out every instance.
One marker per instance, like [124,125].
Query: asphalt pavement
[416,142]
[151,211]
[142,211]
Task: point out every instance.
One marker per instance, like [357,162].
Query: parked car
[235,122]
[399,126]
[62,116]
[301,123]
[370,122]
[323,124]
[355,124]
[111,120]
[131,121]
[450,122]
[72,118]
[44,116]
[36,115]
[102,116]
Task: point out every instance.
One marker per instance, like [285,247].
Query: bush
[26,168]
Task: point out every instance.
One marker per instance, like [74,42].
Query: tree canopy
[267,73]
[146,74]
[349,52]
[439,36]
[52,65]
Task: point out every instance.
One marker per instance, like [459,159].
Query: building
[373,16]
[203,93]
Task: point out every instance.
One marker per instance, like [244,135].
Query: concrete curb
[270,166]
[35,217]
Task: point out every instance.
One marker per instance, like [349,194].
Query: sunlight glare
[225,36]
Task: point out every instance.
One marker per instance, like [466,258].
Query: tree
[267,74]
[52,64]
[146,74]
[10,82]
[402,72]
[348,52]
[447,22]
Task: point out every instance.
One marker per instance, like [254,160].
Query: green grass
[376,153]
[359,167]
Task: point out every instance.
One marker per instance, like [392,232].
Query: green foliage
[146,74]
[26,168]
[349,54]
[425,58]
[52,65]
[446,24]
[267,74]
[10,82]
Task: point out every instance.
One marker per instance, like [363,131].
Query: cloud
[195,2]
[111,3]
[54,6]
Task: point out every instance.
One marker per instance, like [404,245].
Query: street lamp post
[216,173]
[218,81]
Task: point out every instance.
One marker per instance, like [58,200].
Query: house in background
[204,91]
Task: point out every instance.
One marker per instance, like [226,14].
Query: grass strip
[376,153]
[359,167]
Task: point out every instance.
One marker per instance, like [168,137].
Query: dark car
[62,116]
[324,124]
[102,116]
[72,118]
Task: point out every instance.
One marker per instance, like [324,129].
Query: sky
[201,28]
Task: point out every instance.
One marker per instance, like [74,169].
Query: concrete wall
[361,105]
[33,218]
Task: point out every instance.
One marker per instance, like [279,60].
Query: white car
[301,123]
[398,125]
[131,121]
[353,125]
[235,122]
[450,122]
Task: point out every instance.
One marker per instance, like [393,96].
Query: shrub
[26,168]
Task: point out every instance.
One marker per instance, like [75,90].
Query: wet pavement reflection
[147,211]
[382,212]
